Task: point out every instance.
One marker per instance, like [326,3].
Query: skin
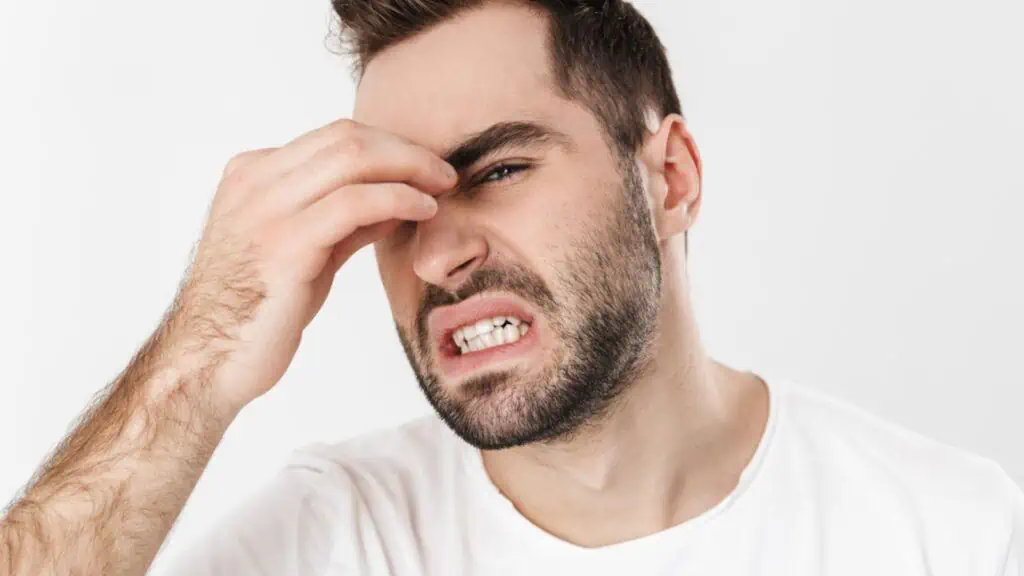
[595,325]
[284,220]
[682,432]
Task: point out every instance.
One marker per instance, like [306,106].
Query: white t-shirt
[830,490]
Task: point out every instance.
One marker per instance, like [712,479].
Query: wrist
[174,375]
[186,388]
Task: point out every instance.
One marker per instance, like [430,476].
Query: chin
[499,409]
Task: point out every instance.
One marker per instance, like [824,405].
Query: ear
[674,182]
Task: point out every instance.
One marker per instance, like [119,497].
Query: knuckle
[244,158]
[345,126]
[236,162]
[230,192]
[351,147]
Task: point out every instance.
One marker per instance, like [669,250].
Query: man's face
[529,302]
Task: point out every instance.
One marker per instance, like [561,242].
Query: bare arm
[111,491]
[282,223]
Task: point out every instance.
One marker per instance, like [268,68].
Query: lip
[443,321]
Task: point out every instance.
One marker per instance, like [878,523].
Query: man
[527,180]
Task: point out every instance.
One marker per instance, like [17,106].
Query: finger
[301,148]
[345,152]
[339,214]
[363,236]
[374,160]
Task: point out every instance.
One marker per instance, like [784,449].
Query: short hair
[604,54]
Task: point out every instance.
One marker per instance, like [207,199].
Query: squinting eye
[502,172]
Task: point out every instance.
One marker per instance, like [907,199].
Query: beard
[603,316]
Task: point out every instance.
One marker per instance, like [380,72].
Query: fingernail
[450,171]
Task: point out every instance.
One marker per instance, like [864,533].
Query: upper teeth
[489,332]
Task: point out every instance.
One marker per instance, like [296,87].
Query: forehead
[485,66]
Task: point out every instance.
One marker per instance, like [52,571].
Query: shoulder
[343,505]
[380,468]
[424,434]
[833,425]
[860,459]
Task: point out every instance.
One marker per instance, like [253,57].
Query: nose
[447,250]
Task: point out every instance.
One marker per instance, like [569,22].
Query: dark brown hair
[604,54]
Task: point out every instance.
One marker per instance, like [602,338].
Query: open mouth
[485,332]
[489,333]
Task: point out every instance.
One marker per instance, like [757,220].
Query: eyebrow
[504,136]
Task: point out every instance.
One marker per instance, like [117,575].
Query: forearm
[270,248]
[107,498]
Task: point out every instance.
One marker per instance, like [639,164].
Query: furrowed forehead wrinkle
[503,136]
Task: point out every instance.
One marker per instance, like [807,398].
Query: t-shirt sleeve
[283,529]
[1014,563]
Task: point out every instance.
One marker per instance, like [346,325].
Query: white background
[859,234]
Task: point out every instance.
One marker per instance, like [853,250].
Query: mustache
[515,280]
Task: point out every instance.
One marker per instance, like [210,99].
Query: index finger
[351,139]
[372,157]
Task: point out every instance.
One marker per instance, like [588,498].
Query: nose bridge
[447,248]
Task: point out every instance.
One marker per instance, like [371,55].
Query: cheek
[537,218]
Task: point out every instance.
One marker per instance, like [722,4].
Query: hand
[283,221]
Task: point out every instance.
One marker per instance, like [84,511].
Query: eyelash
[509,169]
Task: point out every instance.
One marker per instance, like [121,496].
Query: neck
[672,447]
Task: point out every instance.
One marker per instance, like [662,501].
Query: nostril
[461,267]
